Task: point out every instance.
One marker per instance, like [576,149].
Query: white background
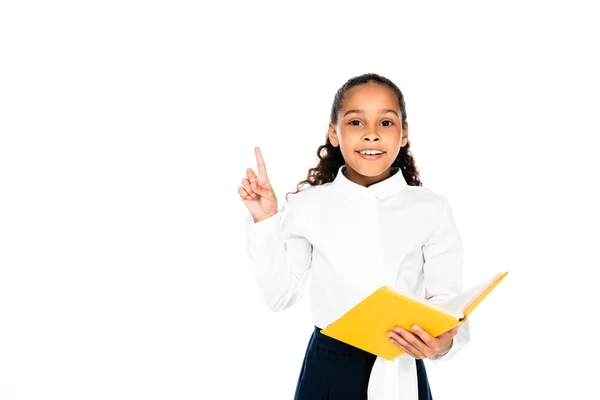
[126,128]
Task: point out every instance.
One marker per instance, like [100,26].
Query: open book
[366,325]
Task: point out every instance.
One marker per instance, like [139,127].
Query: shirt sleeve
[443,261]
[280,256]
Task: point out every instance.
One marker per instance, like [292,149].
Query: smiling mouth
[370,156]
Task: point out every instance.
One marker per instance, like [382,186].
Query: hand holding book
[365,325]
[421,345]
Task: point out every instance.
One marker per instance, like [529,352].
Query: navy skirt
[335,370]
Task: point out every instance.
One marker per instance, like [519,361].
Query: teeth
[371,152]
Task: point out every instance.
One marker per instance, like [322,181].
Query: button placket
[376,254]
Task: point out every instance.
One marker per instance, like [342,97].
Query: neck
[365,180]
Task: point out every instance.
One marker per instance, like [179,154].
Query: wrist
[447,349]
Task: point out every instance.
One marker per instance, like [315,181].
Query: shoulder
[426,197]
[433,208]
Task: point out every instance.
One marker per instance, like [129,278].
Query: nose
[371,133]
[371,138]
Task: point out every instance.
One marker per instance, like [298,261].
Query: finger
[260,187]
[255,188]
[250,174]
[410,337]
[404,346]
[452,332]
[251,177]
[407,351]
[246,185]
[414,349]
[260,162]
[244,194]
[424,336]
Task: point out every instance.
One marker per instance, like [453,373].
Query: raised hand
[256,191]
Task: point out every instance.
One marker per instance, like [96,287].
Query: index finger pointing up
[260,162]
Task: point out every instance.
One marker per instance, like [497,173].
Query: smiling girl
[363,221]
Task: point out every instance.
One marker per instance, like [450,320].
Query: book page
[438,306]
[460,303]
[455,306]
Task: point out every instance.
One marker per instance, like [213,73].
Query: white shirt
[353,240]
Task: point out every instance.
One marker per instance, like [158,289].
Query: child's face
[371,126]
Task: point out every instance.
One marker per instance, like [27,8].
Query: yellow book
[366,325]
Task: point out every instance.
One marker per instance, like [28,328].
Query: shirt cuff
[258,232]
[440,355]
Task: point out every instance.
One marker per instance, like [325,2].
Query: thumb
[260,190]
[451,332]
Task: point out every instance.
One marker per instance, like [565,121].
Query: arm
[280,256]
[443,260]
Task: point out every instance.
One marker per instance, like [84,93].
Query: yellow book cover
[366,325]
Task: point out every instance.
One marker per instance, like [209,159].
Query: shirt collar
[382,189]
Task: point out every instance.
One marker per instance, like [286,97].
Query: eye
[358,122]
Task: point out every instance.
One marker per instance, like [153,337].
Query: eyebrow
[360,111]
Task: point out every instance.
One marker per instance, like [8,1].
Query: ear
[333,135]
[404,135]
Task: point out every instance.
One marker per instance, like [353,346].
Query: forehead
[370,95]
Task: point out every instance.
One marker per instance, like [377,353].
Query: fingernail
[416,328]
[398,330]
[390,334]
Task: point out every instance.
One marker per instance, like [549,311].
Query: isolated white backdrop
[126,128]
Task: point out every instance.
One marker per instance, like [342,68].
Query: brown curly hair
[330,157]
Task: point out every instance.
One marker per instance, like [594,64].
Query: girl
[363,222]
